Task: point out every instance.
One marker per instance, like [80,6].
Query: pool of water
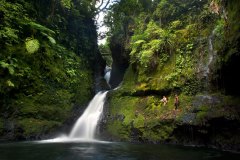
[105,151]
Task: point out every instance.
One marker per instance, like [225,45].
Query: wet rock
[188,118]
[204,100]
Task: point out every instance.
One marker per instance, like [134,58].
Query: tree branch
[100,8]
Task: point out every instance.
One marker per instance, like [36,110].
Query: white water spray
[210,56]
[84,129]
[107,74]
[86,125]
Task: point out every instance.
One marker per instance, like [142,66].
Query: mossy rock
[36,127]
[118,131]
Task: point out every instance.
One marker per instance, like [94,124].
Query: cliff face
[192,51]
[120,60]
[48,58]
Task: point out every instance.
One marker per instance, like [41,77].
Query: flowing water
[108,151]
[206,60]
[80,144]
[107,74]
[86,124]
[84,129]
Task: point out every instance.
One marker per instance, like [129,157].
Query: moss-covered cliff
[175,47]
[47,51]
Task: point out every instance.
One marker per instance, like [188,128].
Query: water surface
[105,151]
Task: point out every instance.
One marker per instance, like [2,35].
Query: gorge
[51,66]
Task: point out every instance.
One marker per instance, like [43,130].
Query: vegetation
[106,53]
[174,47]
[47,48]
[190,48]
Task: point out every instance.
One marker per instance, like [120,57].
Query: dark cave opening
[229,78]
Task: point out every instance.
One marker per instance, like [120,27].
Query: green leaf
[9,83]
[139,41]
[41,28]
[52,40]
[4,64]
[66,3]
[11,70]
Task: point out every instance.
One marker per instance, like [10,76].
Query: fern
[9,83]
[66,3]
[51,39]
[8,34]
[8,66]
[41,28]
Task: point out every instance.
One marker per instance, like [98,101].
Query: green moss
[118,130]
[50,81]
[233,12]
[124,106]
[129,80]
[45,70]
[170,55]
[139,122]
[45,105]
[159,132]
[32,126]
[201,117]
[177,72]
[151,135]
[146,114]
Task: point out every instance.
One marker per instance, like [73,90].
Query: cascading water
[209,60]
[85,126]
[84,129]
[210,56]
[107,74]
[206,61]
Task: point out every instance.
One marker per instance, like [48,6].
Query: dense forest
[51,66]
[48,49]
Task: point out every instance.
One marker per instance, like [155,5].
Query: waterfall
[210,56]
[206,61]
[85,126]
[84,129]
[210,60]
[107,74]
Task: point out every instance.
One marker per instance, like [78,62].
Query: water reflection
[105,151]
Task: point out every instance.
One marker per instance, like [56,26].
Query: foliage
[169,44]
[120,15]
[45,62]
[106,53]
[36,127]
[153,48]
[145,114]
[32,45]
[41,28]
[67,3]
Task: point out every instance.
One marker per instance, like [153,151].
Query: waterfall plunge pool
[106,151]
[81,145]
